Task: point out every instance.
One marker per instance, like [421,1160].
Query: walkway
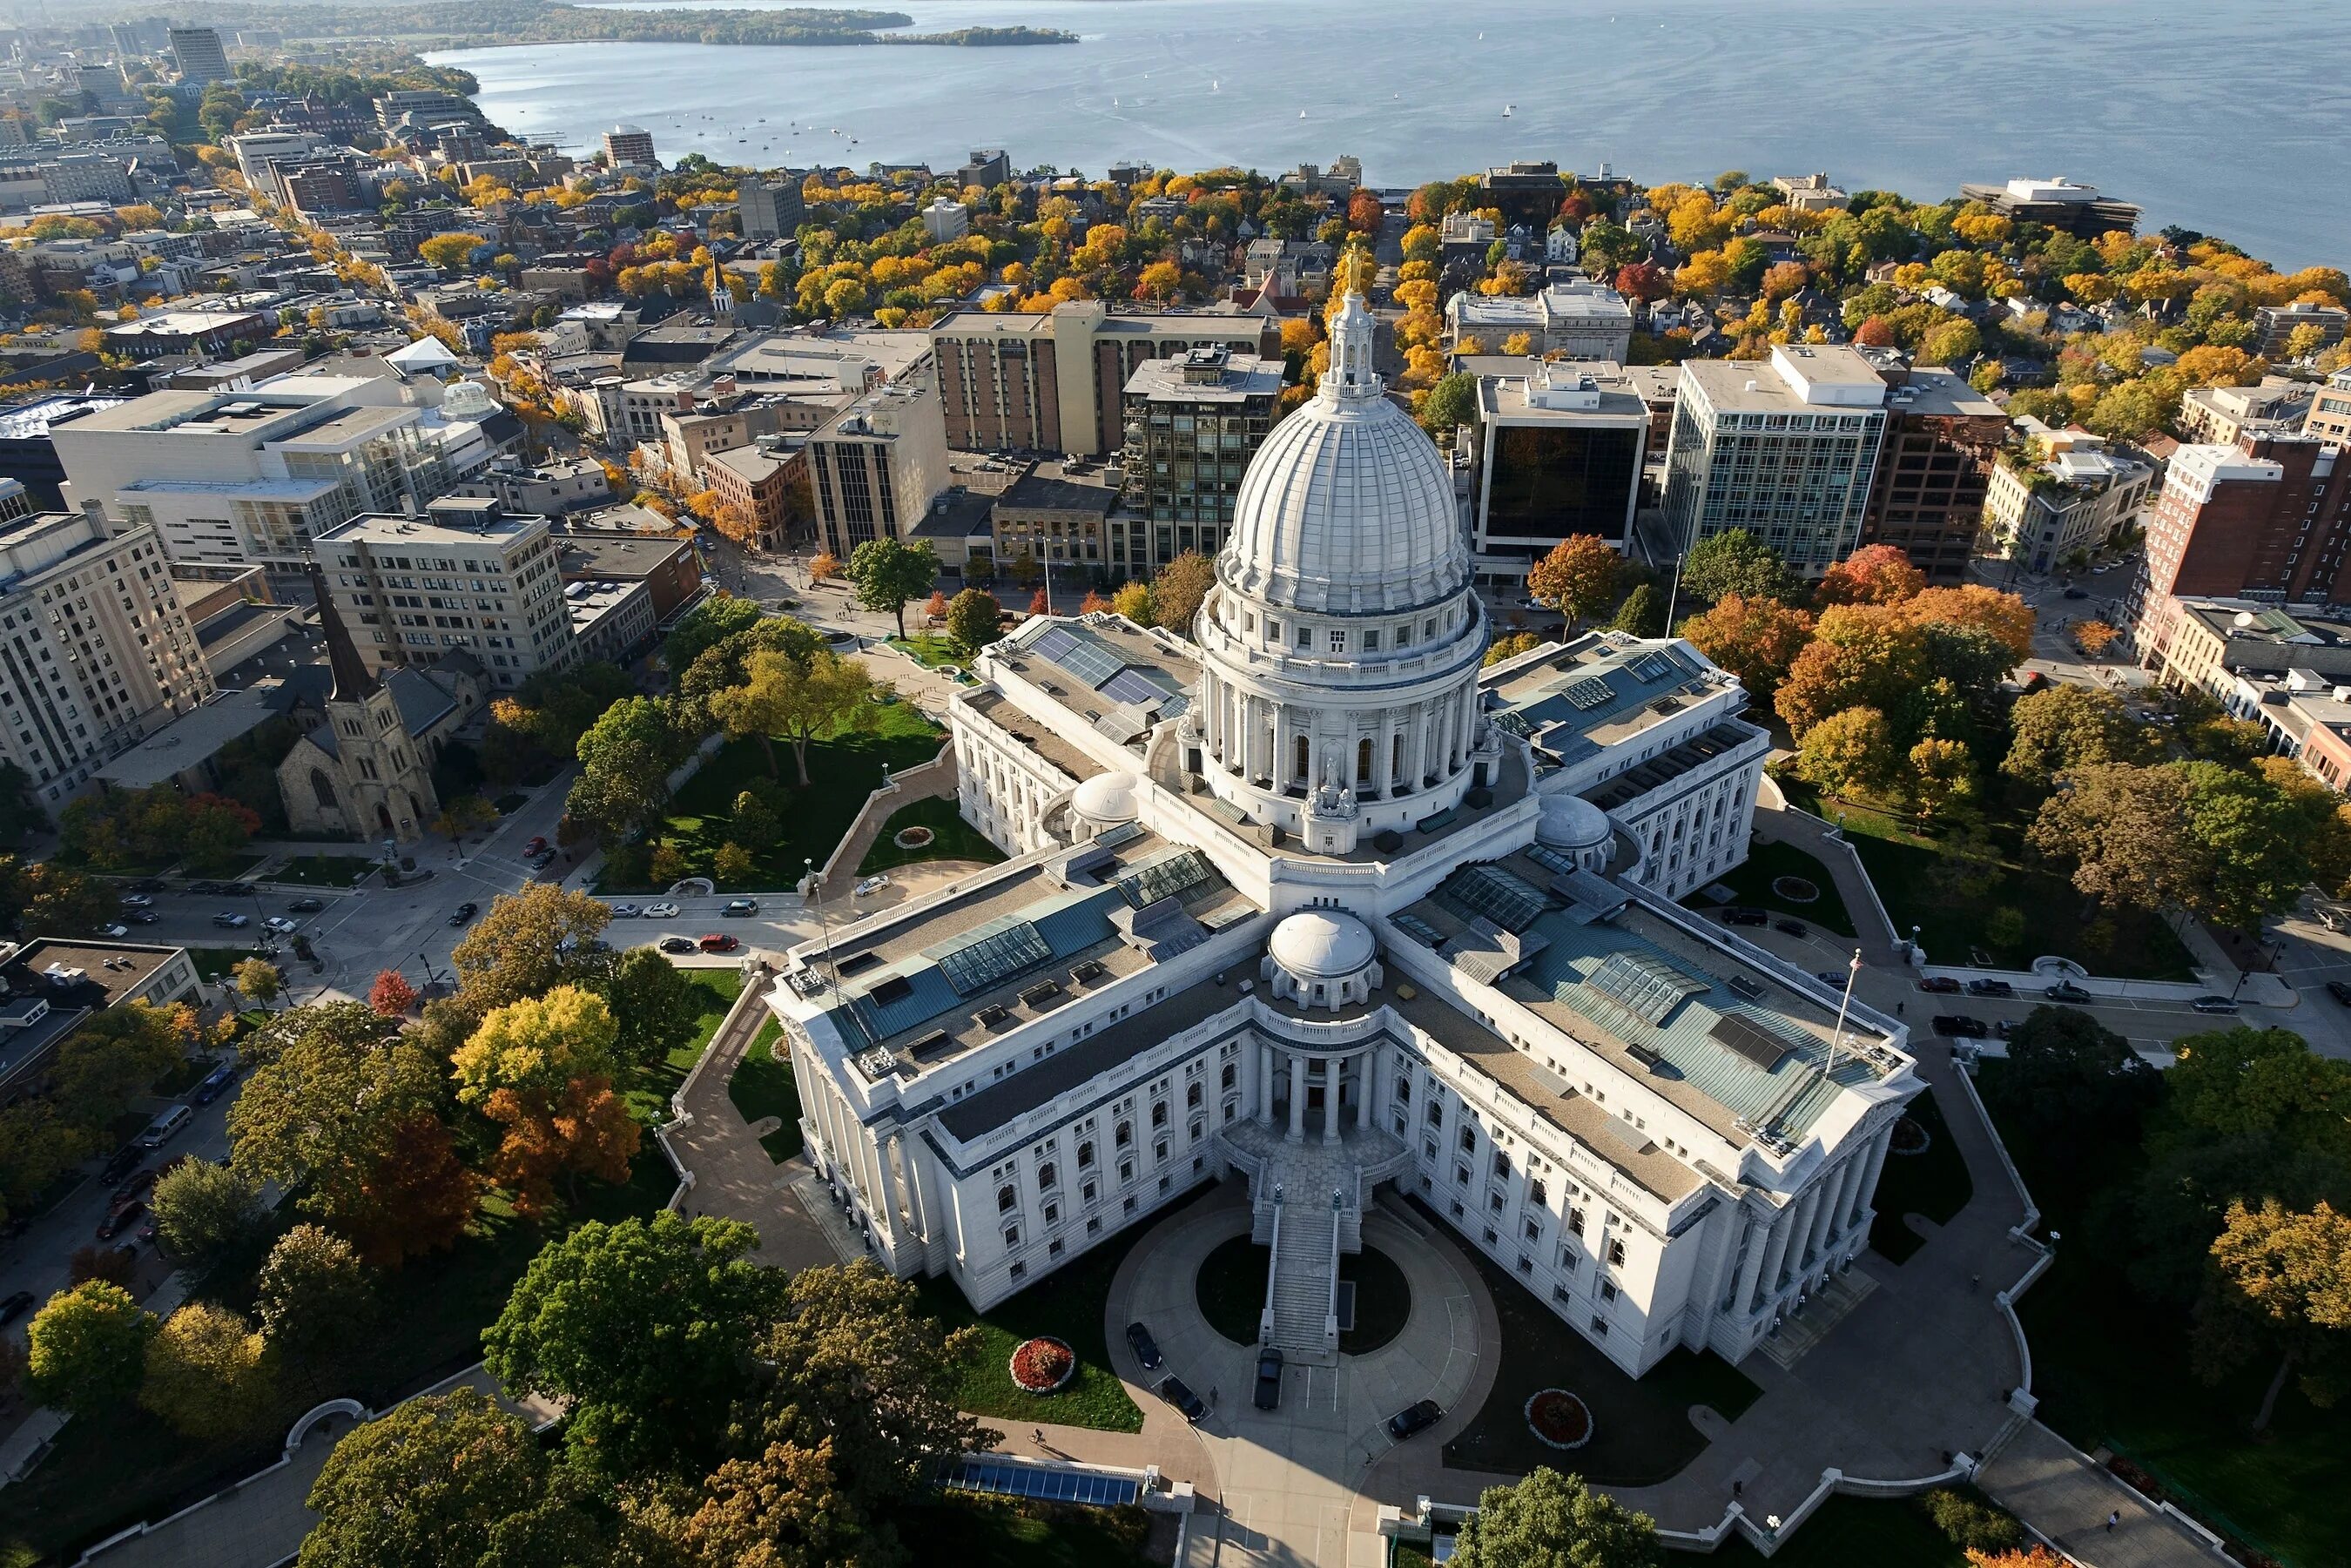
[1776,822]
[2057,1489]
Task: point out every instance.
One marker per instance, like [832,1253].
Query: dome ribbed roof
[1322,944]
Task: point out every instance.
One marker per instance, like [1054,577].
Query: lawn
[1230,1289]
[1859,1533]
[843,771]
[2110,1372]
[976,1532]
[762,1086]
[952,838]
[325,870]
[1934,1183]
[648,1090]
[1067,1306]
[929,649]
[1750,885]
[2013,909]
[214,963]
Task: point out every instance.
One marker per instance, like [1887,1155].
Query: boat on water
[1509,110]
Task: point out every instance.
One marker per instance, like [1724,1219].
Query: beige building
[2329,419]
[2217,415]
[467,578]
[2067,492]
[877,466]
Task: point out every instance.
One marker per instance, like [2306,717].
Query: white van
[165,1127]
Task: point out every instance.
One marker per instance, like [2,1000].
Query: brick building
[2267,519]
[1927,498]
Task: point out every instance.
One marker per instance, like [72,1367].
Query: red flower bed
[1042,1366]
[1559,1418]
[1909,1137]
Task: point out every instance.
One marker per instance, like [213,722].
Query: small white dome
[1108,799]
[1322,945]
[1570,822]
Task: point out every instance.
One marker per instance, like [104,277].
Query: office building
[212,333]
[2056,203]
[49,987]
[2064,495]
[2268,518]
[464,579]
[1574,320]
[28,452]
[1785,448]
[670,568]
[1443,971]
[1557,451]
[945,220]
[2194,642]
[2277,325]
[876,467]
[1054,383]
[770,209]
[198,53]
[1056,512]
[988,167]
[1193,423]
[763,482]
[2218,416]
[96,652]
[1934,471]
[630,147]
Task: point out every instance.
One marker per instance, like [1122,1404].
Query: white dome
[1570,822]
[1322,945]
[1347,505]
[1108,799]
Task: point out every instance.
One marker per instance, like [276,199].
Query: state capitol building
[1314,902]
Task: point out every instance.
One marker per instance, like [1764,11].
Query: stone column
[1264,1085]
[1800,1239]
[1831,1185]
[1366,1077]
[1756,1235]
[1297,1098]
[1383,761]
[1330,1074]
[1774,1251]
[1851,1175]
[1868,1193]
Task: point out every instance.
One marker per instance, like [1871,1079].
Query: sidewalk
[2057,1489]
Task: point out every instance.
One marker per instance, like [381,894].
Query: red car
[718,942]
[1939,986]
[120,1219]
[537,843]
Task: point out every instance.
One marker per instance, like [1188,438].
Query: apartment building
[876,467]
[761,481]
[198,53]
[2329,419]
[1574,320]
[96,652]
[1009,381]
[2067,493]
[2268,519]
[770,209]
[1557,451]
[1192,424]
[2278,323]
[465,578]
[2218,415]
[630,147]
[1934,471]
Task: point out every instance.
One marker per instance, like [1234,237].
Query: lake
[2234,120]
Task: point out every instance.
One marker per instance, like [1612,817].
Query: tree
[2123,828]
[203,1211]
[1504,649]
[1180,589]
[1643,614]
[537,1044]
[1135,602]
[543,1067]
[703,627]
[207,1375]
[531,941]
[2095,637]
[423,1485]
[655,1008]
[1577,578]
[111,1264]
[2286,1277]
[2074,1087]
[934,608]
[645,1328]
[1735,562]
[450,252]
[973,616]
[1874,574]
[782,697]
[391,995]
[625,761]
[889,573]
[20,807]
[1550,1521]
[1942,778]
[258,981]
[87,1350]
[1851,752]
[1757,639]
[312,1293]
[1451,403]
[43,896]
[823,566]
[2004,617]
[731,865]
[2066,727]
[1952,343]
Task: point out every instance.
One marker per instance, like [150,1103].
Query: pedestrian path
[2069,1499]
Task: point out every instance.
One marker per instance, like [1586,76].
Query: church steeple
[352,681]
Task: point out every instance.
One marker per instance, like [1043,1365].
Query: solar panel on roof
[1163,878]
[1589,692]
[1082,656]
[1507,900]
[1647,988]
[1752,1040]
[998,955]
[1651,668]
[1131,685]
[1111,837]
[1009,1479]
[1550,859]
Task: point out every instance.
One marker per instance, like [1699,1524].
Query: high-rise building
[986,168]
[1785,448]
[876,467]
[96,652]
[1011,381]
[1941,435]
[770,209]
[1191,426]
[199,55]
[465,578]
[2268,518]
[2278,323]
[1557,452]
[630,147]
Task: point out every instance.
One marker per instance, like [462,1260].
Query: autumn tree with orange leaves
[542,1067]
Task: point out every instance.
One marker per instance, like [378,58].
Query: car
[204,889]
[147,885]
[1416,1418]
[677,944]
[540,861]
[463,912]
[144,917]
[1982,988]
[661,911]
[1269,1379]
[740,908]
[717,942]
[2098,570]
[2066,992]
[2214,1004]
[626,912]
[1939,986]
[279,924]
[2005,1029]
[537,843]
[307,905]
[118,1219]
[116,1163]
[215,1083]
[136,901]
[871,885]
[2340,991]
[1958,1026]
[1735,915]
[1145,1348]
[228,922]
[1178,1393]
[118,931]
[1792,927]
[2077,593]
[135,1188]
[14,1307]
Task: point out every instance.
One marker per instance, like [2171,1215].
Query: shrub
[1971,1525]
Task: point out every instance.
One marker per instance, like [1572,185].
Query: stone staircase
[1302,1284]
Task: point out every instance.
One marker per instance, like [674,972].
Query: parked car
[203,889]
[1939,986]
[307,905]
[1991,988]
[2214,1005]
[228,922]
[115,932]
[144,917]
[1735,915]
[279,924]
[2005,1029]
[119,1219]
[463,912]
[740,908]
[147,885]
[677,944]
[136,901]
[1414,1418]
[1269,1379]
[718,942]
[1178,1393]
[137,1187]
[2066,992]
[1958,1026]
[215,1083]
[1792,927]
[537,843]
[626,912]
[2339,991]
[871,885]
[1145,1348]
[165,1127]
[14,1307]
[118,1162]
[661,911]
[2079,592]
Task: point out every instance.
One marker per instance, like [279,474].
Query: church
[1312,902]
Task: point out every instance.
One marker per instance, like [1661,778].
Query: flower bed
[1559,1418]
[1909,1138]
[912,837]
[1796,889]
[1043,1366]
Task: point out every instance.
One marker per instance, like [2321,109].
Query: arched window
[1007,1199]
[1086,1156]
[1300,749]
[323,789]
[1362,762]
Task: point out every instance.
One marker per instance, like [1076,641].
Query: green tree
[1550,1521]
[44,897]
[889,573]
[655,1008]
[1735,562]
[1942,778]
[646,1327]
[1451,403]
[20,807]
[203,1211]
[830,695]
[1851,752]
[1577,578]
[1952,343]
[258,981]
[1643,614]
[529,942]
[423,1485]
[1178,590]
[312,1293]
[973,616]
[703,627]
[87,1350]
[2285,1277]
[207,1375]
[2066,727]
[2073,1087]
[625,761]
